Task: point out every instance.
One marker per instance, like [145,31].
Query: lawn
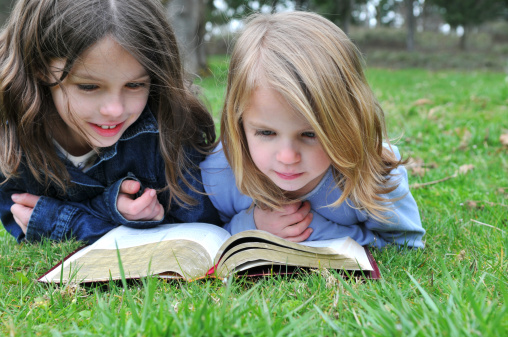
[450,123]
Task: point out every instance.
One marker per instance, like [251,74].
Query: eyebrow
[257,124]
[262,125]
[87,76]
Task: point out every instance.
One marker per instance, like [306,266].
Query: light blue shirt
[404,226]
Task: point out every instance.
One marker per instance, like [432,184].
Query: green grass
[456,286]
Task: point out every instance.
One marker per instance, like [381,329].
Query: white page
[210,236]
[336,244]
[346,246]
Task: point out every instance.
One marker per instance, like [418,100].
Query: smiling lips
[105,130]
[288,176]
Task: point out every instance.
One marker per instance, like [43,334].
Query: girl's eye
[135,85]
[264,133]
[87,87]
[309,134]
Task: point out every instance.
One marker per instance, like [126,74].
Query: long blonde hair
[318,70]
[39,31]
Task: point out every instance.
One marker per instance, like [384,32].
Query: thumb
[130,187]
[25,199]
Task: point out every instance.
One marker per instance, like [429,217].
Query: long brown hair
[39,31]
[318,70]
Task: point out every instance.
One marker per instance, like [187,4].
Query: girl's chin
[292,192]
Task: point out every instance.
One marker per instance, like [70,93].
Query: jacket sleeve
[52,218]
[104,206]
[6,190]
[59,220]
[202,210]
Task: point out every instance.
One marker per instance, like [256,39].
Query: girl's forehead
[267,102]
[104,54]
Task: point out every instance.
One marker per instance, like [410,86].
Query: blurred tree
[337,11]
[430,17]
[468,13]
[242,8]
[410,24]
[188,18]
[383,8]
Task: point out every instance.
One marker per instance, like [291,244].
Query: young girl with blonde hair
[305,140]
[97,126]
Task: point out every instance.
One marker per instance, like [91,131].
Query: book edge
[374,274]
[58,265]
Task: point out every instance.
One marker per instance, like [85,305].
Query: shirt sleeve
[240,222]
[403,225]
[325,229]
[220,185]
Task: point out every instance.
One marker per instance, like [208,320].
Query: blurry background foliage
[432,34]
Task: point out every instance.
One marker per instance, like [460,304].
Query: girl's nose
[288,154]
[113,107]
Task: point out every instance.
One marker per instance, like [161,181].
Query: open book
[196,250]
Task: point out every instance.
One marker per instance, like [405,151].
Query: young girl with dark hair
[97,125]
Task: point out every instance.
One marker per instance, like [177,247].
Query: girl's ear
[41,76]
[51,73]
[46,77]
[48,80]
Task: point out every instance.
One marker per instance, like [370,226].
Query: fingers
[130,187]
[299,228]
[296,212]
[300,217]
[144,208]
[22,208]
[291,223]
[25,199]
[21,224]
[21,215]
[302,237]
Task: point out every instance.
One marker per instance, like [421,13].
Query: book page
[344,245]
[256,245]
[336,244]
[209,236]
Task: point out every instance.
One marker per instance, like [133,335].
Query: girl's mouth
[107,130]
[105,127]
[288,176]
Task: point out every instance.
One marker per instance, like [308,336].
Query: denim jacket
[88,209]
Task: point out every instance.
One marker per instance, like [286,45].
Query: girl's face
[282,144]
[104,93]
